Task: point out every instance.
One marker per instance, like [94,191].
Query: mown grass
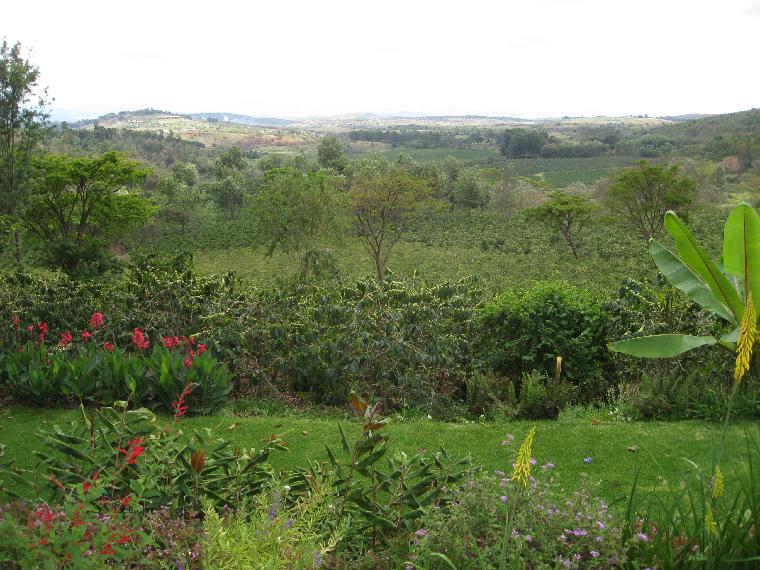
[661,449]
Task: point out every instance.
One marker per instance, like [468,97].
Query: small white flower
[287,488]
[430,417]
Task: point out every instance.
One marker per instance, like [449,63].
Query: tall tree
[567,215]
[330,154]
[23,118]
[291,208]
[383,207]
[73,206]
[642,195]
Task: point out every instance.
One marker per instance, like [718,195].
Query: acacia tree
[566,214]
[383,207]
[642,195]
[291,208]
[23,118]
[72,204]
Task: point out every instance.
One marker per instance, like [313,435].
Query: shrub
[94,369]
[528,332]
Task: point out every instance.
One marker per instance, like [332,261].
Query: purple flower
[421,532]
[566,563]
[580,532]
[503,498]
[532,460]
[550,466]
[577,556]
[599,539]
[587,460]
[643,537]
[594,554]
[288,523]
[528,538]
[408,567]
[317,559]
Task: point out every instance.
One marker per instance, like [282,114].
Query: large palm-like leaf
[705,282]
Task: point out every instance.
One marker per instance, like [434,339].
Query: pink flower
[108,347]
[201,349]
[169,342]
[139,340]
[188,362]
[86,336]
[66,338]
[97,320]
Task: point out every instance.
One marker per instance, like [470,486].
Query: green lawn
[662,454]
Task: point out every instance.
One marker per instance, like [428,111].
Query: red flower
[66,338]
[192,341]
[125,538]
[201,349]
[139,340]
[108,550]
[188,362]
[16,320]
[108,347]
[86,486]
[133,451]
[180,409]
[86,336]
[30,328]
[125,501]
[42,327]
[42,542]
[97,320]
[169,341]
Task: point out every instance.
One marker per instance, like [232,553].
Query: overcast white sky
[528,58]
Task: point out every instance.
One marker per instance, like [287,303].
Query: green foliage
[565,214]
[89,372]
[327,341]
[642,195]
[291,208]
[701,523]
[470,190]
[548,528]
[330,154]
[704,282]
[523,333]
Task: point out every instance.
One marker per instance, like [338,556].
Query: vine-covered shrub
[521,333]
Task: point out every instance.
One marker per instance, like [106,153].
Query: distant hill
[243,119]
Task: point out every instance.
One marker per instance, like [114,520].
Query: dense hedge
[448,349]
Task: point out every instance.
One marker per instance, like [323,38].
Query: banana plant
[723,288]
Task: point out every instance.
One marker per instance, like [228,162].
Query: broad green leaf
[741,247]
[697,259]
[729,340]
[684,279]
[660,345]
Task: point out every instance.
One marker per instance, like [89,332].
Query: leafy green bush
[391,341]
[520,333]
[95,370]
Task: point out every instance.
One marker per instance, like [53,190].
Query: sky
[294,58]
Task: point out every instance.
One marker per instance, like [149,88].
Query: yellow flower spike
[718,483]
[710,525]
[521,472]
[746,342]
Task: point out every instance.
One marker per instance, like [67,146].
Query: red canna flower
[42,327]
[97,320]
[201,349]
[125,501]
[66,338]
[86,336]
[139,340]
[169,342]
[108,347]
[188,362]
